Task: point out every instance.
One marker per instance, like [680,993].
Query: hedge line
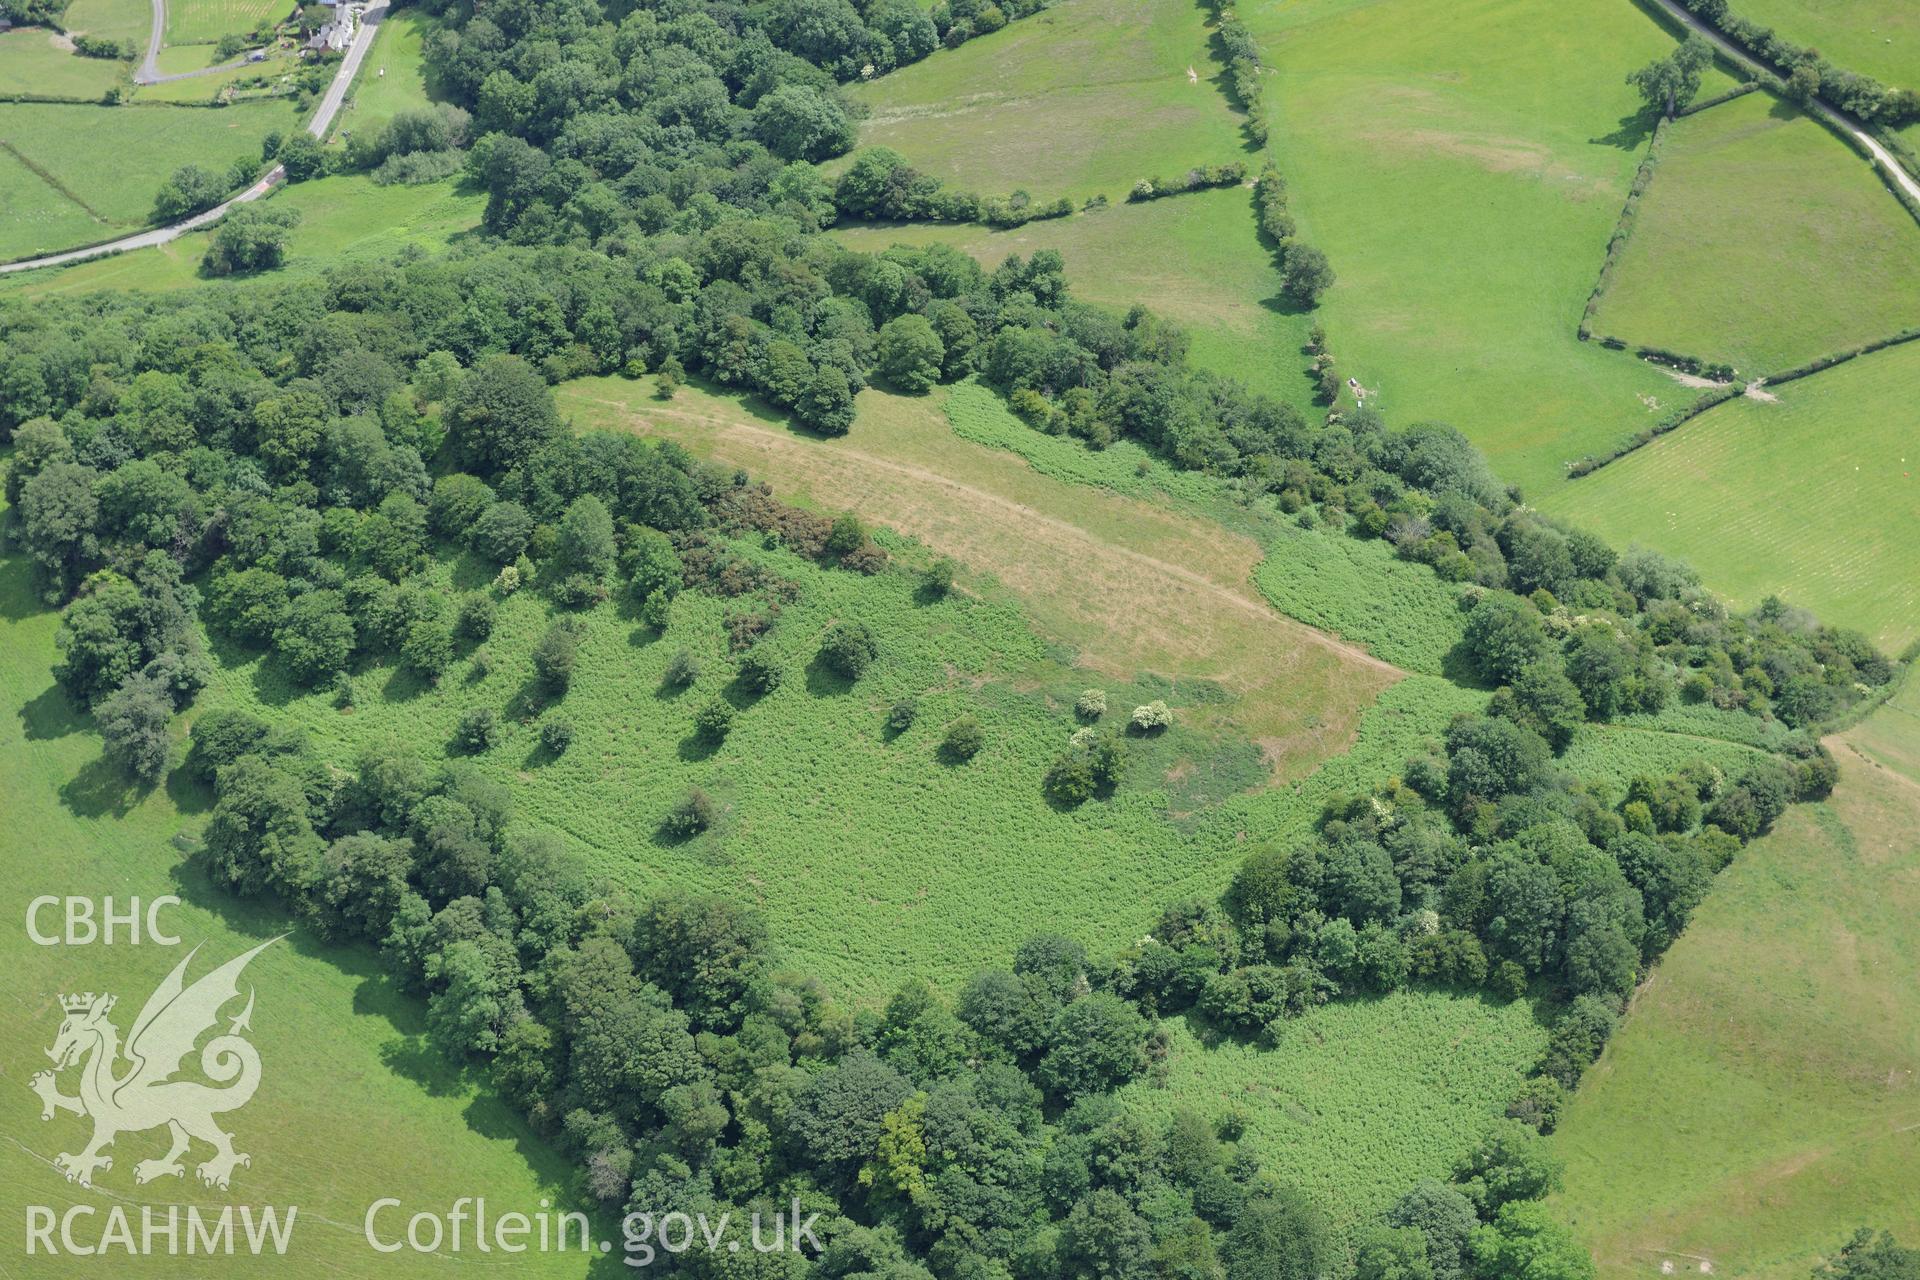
[1673,420]
[1243,64]
[1738,91]
[1857,94]
[1200,178]
[1622,232]
[1841,357]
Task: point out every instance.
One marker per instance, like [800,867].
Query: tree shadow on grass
[50,715]
[824,682]
[415,1059]
[102,789]
[1631,131]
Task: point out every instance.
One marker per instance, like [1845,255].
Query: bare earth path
[1833,115]
[318,126]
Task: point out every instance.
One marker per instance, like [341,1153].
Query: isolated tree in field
[910,353]
[849,649]
[553,658]
[1668,84]
[190,189]
[1308,274]
[963,739]
[250,239]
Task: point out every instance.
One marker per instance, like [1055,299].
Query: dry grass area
[1130,584]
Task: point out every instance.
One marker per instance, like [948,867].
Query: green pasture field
[1082,99]
[1129,582]
[115,158]
[33,214]
[393,78]
[1195,259]
[113,19]
[1878,38]
[1462,166]
[352,1106]
[344,218]
[1770,499]
[31,62]
[1764,243]
[1759,1101]
[1363,1098]
[205,21]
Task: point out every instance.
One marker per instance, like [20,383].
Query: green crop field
[33,61]
[1759,1103]
[205,21]
[33,214]
[1082,99]
[1462,167]
[1361,1099]
[1878,38]
[1768,499]
[344,218]
[352,1106]
[114,159]
[110,19]
[1194,259]
[1754,191]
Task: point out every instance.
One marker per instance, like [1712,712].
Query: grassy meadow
[33,214]
[112,19]
[1082,99]
[1194,259]
[1878,38]
[1763,243]
[114,160]
[343,218]
[393,78]
[1363,1098]
[1462,167]
[37,61]
[1774,498]
[1760,1100]
[373,1113]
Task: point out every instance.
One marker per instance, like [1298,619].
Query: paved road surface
[322,120]
[1840,119]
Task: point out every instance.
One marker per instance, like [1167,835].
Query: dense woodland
[281,466]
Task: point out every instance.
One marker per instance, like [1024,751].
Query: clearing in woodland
[1763,243]
[1195,259]
[1814,498]
[1760,1100]
[1084,98]
[1462,167]
[1131,585]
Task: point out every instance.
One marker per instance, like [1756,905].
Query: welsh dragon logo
[144,1095]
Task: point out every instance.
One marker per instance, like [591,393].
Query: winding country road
[1826,111]
[149,72]
[322,121]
